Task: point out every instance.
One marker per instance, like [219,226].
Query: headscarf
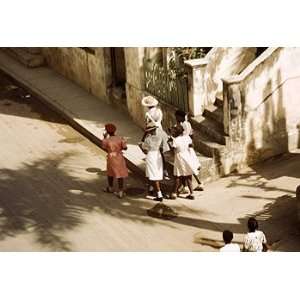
[110,128]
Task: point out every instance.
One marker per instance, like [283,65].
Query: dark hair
[179,130]
[180,114]
[110,128]
[227,236]
[252,224]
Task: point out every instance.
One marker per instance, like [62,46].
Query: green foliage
[180,54]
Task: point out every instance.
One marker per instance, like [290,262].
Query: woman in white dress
[255,240]
[154,115]
[184,162]
[153,147]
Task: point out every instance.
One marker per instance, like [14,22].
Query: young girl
[255,240]
[184,164]
[116,165]
[182,119]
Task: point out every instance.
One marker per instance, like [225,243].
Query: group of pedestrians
[154,144]
[254,241]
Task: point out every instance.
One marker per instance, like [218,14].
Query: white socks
[159,194]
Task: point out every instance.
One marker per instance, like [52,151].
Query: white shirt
[187,128]
[230,248]
[254,241]
[182,143]
[154,115]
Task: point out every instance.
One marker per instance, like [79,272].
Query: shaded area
[44,200]
[11,93]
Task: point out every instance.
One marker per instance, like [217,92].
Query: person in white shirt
[255,240]
[153,147]
[229,247]
[154,115]
[182,119]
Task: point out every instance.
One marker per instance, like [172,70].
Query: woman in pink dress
[116,165]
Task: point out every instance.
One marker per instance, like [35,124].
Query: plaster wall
[89,70]
[271,104]
[223,62]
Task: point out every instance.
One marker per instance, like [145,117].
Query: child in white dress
[182,119]
[184,162]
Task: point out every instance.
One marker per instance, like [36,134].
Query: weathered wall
[135,86]
[272,105]
[223,62]
[135,83]
[270,89]
[91,71]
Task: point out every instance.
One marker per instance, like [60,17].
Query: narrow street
[51,182]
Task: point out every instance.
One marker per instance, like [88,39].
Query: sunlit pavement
[51,182]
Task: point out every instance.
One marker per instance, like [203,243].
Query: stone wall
[135,86]
[205,74]
[89,70]
[93,72]
[270,103]
[224,62]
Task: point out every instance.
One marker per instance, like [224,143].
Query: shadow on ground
[41,198]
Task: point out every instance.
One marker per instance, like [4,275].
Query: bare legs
[121,184]
[110,181]
[177,183]
[189,183]
[199,186]
[156,185]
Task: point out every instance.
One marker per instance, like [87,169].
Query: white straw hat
[149,101]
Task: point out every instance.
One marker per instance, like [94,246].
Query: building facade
[243,101]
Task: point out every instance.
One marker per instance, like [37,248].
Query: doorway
[118,67]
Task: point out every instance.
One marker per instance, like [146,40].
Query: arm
[104,143]
[171,143]
[124,145]
[264,243]
[141,146]
[190,142]
[246,245]
[160,116]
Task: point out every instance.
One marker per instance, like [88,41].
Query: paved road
[51,181]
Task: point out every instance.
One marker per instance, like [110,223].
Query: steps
[209,128]
[29,57]
[210,140]
[214,113]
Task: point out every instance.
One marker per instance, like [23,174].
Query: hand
[105,134]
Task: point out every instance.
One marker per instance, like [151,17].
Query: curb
[69,119]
